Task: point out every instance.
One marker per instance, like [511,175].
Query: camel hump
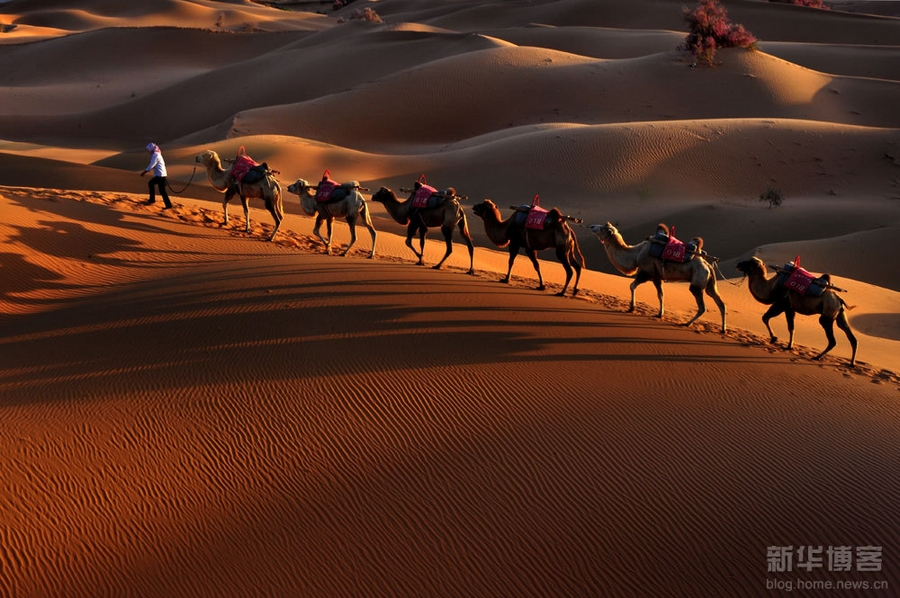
[554,218]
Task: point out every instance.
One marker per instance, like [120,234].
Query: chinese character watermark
[780,559]
[808,558]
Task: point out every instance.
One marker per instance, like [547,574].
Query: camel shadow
[18,275]
[66,240]
[71,240]
[286,331]
[885,325]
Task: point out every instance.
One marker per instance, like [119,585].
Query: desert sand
[191,410]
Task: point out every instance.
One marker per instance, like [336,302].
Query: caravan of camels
[531,228]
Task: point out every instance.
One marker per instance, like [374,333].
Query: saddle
[256,173]
[247,170]
[329,190]
[423,196]
[669,249]
[797,279]
[532,216]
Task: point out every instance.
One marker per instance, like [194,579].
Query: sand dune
[234,435]
[586,92]
[192,411]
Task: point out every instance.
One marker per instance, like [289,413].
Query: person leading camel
[158,167]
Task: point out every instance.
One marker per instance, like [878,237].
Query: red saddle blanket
[242,165]
[325,189]
[799,280]
[674,251]
[537,217]
[421,196]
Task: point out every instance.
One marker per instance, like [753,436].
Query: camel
[266,189]
[829,306]
[635,260]
[558,235]
[350,208]
[448,215]
[769,292]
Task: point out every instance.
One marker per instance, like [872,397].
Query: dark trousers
[159,182]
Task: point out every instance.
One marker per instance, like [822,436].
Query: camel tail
[277,198]
[576,249]
[464,221]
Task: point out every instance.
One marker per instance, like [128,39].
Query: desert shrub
[773,196]
[709,29]
[809,3]
[366,14]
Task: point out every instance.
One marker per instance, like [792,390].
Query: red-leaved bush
[710,29]
[809,3]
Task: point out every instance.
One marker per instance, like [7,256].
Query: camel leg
[513,253]
[329,228]
[701,306]
[351,222]
[246,203]
[775,310]
[467,237]
[229,193]
[563,257]
[327,242]
[368,220]
[640,279]
[423,230]
[827,323]
[276,209]
[532,255]
[278,219]
[713,292]
[844,325]
[789,316]
[576,259]
[660,295]
[448,240]
[410,231]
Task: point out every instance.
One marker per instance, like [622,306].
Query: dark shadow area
[880,325]
[297,328]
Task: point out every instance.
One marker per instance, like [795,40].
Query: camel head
[605,232]
[752,266]
[208,157]
[384,194]
[300,187]
[486,207]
